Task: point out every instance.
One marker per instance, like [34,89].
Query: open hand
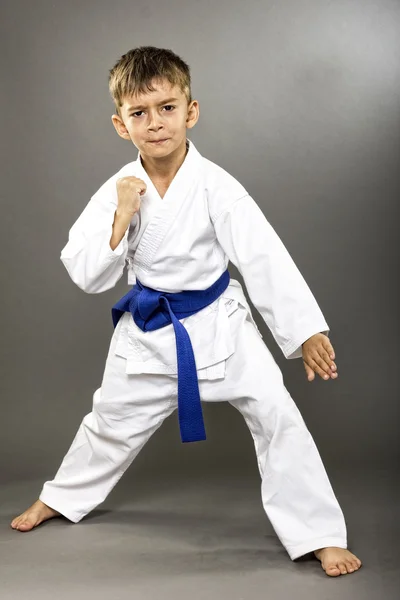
[318,355]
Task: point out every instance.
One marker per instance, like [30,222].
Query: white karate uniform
[185,241]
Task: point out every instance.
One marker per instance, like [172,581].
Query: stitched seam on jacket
[214,219]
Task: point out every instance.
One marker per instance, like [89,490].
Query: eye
[137,113]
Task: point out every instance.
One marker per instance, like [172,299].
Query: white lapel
[162,211]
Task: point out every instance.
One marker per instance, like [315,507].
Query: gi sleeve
[274,283]
[88,257]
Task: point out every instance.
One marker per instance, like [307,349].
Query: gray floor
[196,537]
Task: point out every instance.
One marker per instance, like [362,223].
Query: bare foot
[337,561]
[36,514]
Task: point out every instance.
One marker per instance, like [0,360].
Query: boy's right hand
[129,190]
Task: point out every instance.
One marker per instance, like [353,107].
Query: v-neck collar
[142,173]
[162,212]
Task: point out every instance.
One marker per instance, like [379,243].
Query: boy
[185,330]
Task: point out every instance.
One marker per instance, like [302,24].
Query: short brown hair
[136,69]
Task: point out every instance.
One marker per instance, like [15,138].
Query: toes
[354,563]
[342,568]
[25,526]
[355,560]
[333,571]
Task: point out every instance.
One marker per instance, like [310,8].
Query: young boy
[185,330]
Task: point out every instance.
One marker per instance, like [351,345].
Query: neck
[166,167]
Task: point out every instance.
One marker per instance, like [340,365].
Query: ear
[120,127]
[193,114]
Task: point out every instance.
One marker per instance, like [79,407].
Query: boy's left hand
[318,355]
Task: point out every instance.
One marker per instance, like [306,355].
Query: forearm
[119,227]
[95,253]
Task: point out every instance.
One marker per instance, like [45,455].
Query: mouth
[157,142]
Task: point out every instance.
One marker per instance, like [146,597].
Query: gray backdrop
[299,101]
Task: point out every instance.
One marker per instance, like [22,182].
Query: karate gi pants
[127,409]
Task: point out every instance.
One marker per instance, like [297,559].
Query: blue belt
[152,309]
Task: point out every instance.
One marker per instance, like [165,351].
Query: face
[163,114]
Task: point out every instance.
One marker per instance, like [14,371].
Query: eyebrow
[159,104]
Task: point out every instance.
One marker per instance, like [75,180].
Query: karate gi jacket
[185,241]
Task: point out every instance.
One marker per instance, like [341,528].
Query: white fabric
[296,493]
[184,242]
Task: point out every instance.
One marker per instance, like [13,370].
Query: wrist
[123,215]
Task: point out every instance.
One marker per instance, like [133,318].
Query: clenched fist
[129,190]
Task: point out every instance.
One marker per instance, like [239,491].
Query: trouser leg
[296,493]
[127,410]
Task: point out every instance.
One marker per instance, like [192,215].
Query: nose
[154,121]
